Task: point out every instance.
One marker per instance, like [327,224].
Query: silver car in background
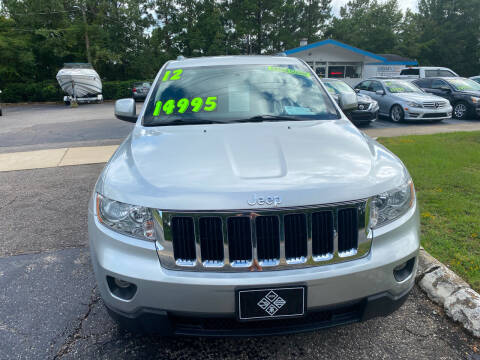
[476,78]
[401,100]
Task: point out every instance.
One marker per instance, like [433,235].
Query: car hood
[364,98]
[472,93]
[215,167]
[419,97]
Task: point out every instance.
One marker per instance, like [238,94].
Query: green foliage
[131,39]
[32,92]
[444,33]
[446,171]
[50,91]
[113,90]
[368,24]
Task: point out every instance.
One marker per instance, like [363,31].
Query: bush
[113,90]
[51,91]
[21,92]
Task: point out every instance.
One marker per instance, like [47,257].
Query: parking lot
[48,300]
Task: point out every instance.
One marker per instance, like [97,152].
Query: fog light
[403,271]
[122,283]
[120,288]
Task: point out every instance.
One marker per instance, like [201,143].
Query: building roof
[387,59]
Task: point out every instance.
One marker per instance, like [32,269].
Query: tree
[368,24]
[444,33]
[17,60]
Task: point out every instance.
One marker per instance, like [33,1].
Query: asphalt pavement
[33,127]
[49,305]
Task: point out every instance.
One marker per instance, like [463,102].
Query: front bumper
[428,114]
[167,324]
[361,116]
[139,96]
[212,295]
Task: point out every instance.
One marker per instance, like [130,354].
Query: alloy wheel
[460,110]
[396,114]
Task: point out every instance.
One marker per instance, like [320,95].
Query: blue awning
[381,59]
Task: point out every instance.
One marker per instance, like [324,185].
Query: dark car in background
[364,113]
[463,94]
[140,90]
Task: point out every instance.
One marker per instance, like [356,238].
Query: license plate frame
[271,303]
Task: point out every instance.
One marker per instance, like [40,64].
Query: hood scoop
[262,158]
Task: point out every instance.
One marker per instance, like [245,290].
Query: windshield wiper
[260,118]
[186,122]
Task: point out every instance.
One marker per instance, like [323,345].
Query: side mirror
[445,89]
[125,110]
[348,101]
[357,90]
[380,92]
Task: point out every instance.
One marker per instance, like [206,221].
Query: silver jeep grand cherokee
[245,203]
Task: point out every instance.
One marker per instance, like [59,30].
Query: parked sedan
[366,110]
[140,90]
[476,78]
[463,94]
[401,100]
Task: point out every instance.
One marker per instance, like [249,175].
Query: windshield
[338,87]
[464,84]
[226,94]
[400,86]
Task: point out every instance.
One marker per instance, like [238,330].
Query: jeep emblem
[265,200]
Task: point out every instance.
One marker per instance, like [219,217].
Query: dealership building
[333,59]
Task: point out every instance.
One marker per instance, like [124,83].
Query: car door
[381,99]
[363,87]
[441,88]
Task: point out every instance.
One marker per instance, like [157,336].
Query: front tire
[396,114]
[460,110]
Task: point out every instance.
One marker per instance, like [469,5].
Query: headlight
[414,104]
[475,100]
[392,204]
[127,219]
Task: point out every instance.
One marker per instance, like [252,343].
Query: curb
[443,286]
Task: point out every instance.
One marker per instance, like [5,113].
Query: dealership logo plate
[271,303]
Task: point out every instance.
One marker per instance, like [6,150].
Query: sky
[404,4]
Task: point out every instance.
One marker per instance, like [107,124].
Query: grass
[446,171]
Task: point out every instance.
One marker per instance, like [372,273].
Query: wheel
[460,110]
[1,112]
[397,114]
[67,103]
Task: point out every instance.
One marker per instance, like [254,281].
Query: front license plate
[271,303]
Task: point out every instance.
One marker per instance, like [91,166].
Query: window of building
[345,70]
[353,71]
[336,72]
[320,70]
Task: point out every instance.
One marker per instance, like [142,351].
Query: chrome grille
[434,104]
[263,239]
